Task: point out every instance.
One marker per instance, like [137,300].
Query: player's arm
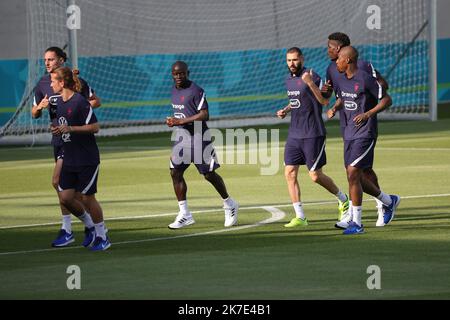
[307,78]
[283,112]
[327,89]
[36,110]
[87,116]
[374,88]
[87,128]
[384,103]
[335,108]
[382,81]
[89,93]
[95,101]
[202,115]
[369,68]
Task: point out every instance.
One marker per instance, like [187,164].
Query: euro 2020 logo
[64,136]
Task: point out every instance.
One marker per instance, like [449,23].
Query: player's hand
[64,128]
[55,130]
[281,114]
[307,77]
[331,113]
[171,121]
[44,103]
[327,88]
[360,119]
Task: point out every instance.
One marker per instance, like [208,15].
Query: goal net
[235,50]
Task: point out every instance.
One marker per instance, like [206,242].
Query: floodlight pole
[73,46]
[432,88]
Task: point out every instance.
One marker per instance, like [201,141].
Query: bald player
[362,99]
[190,113]
[337,41]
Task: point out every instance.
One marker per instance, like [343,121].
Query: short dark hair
[181,64]
[342,38]
[295,49]
[59,52]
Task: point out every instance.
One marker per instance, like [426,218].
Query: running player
[362,98]
[190,110]
[77,124]
[336,41]
[305,144]
[45,98]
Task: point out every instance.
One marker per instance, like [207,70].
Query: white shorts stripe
[362,156]
[91,182]
[313,168]
[171,166]
[211,165]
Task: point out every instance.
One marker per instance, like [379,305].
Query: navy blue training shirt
[306,111]
[80,149]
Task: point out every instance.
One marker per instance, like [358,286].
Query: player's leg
[179,184]
[293,158]
[68,200]
[291,175]
[316,158]
[370,184]
[184,217]
[230,206]
[370,175]
[384,201]
[354,177]
[216,180]
[96,235]
[356,158]
[327,183]
[66,216]
[94,222]
[207,168]
[65,235]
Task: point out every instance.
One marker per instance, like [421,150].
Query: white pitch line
[277,215]
[215,210]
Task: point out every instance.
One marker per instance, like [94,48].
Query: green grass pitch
[252,261]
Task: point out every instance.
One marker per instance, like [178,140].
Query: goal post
[235,51]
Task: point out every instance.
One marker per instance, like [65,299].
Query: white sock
[100,230]
[299,210]
[67,223]
[183,207]
[357,213]
[379,203]
[350,210]
[228,202]
[384,198]
[86,219]
[341,196]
